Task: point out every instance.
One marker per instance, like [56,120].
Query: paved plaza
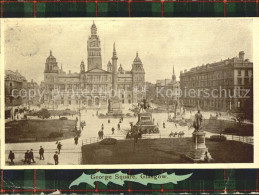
[71,153]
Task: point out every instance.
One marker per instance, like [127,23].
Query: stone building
[15,89]
[167,90]
[33,89]
[216,86]
[93,86]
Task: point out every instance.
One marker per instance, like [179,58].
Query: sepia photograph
[127,91]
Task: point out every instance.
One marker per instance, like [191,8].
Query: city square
[107,113]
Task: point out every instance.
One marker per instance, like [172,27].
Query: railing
[90,140]
[244,139]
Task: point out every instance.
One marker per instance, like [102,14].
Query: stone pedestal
[114,106]
[199,151]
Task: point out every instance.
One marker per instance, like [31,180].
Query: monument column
[114,71]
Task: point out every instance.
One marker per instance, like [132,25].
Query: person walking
[163,124]
[76,140]
[102,127]
[113,130]
[26,157]
[119,126]
[41,152]
[31,156]
[55,157]
[109,121]
[59,147]
[11,157]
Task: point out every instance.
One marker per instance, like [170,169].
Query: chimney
[242,55]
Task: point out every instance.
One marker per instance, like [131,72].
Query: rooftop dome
[121,69]
[137,59]
[51,57]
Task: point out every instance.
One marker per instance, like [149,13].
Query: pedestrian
[153,120]
[31,156]
[76,140]
[119,126]
[163,124]
[41,152]
[102,127]
[157,124]
[175,125]
[99,134]
[56,158]
[59,147]
[109,121]
[26,157]
[11,157]
[113,130]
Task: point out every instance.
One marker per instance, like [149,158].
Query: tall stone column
[114,71]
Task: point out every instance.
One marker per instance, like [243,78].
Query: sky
[161,43]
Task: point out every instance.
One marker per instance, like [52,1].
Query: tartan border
[35,181]
[129,8]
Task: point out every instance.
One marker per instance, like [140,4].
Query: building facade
[33,90]
[93,86]
[15,89]
[168,90]
[225,85]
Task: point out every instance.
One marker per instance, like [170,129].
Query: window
[239,72]
[246,72]
[239,81]
[246,81]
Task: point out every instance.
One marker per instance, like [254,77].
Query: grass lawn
[163,151]
[214,126]
[38,130]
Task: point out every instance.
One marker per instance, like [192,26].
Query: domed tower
[138,80]
[50,76]
[51,64]
[109,67]
[94,59]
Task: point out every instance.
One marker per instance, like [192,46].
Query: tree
[43,113]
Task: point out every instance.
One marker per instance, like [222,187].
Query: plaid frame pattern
[126,8]
[202,181]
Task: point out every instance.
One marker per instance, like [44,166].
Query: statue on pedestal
[197,121]
[144,105]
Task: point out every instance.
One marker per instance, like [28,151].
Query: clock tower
[94,58]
